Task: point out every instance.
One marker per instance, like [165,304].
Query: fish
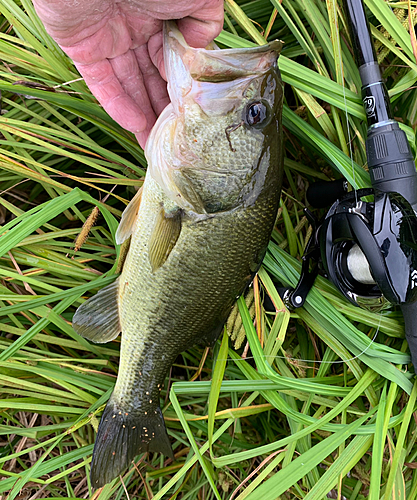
[199,228]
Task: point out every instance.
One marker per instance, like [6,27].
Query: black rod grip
[391,163]
[322,194]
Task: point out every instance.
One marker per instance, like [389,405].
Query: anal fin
[164,237]
[97,319]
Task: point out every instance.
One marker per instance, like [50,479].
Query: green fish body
[199,230]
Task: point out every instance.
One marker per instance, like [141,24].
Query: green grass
[318,400]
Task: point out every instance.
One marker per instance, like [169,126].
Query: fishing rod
[368,249]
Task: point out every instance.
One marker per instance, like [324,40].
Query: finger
[126,68]
[199,33]
[199,30]
[155,85]
[104,85]
[202,26]
[142,137]
[156,53]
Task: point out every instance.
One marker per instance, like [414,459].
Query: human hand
[116,45]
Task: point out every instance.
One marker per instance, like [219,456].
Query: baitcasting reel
[368,249]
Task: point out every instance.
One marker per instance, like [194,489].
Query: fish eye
[257,114]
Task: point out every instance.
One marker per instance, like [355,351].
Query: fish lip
[188,68]
[212,64]
[172,32]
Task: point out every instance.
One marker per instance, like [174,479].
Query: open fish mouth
[214,64]
[185,66]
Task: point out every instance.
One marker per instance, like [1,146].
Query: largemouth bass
[200,228]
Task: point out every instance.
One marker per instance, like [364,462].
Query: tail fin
[123,435]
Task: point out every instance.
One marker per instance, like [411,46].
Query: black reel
[369,249]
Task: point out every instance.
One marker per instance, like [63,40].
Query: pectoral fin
[128,220]
[164,237]
[97,319]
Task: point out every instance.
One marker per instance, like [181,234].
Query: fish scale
[199,230]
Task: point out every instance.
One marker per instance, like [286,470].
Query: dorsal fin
[128,220]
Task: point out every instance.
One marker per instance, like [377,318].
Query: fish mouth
[185,65]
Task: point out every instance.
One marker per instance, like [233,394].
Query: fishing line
[313,360]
